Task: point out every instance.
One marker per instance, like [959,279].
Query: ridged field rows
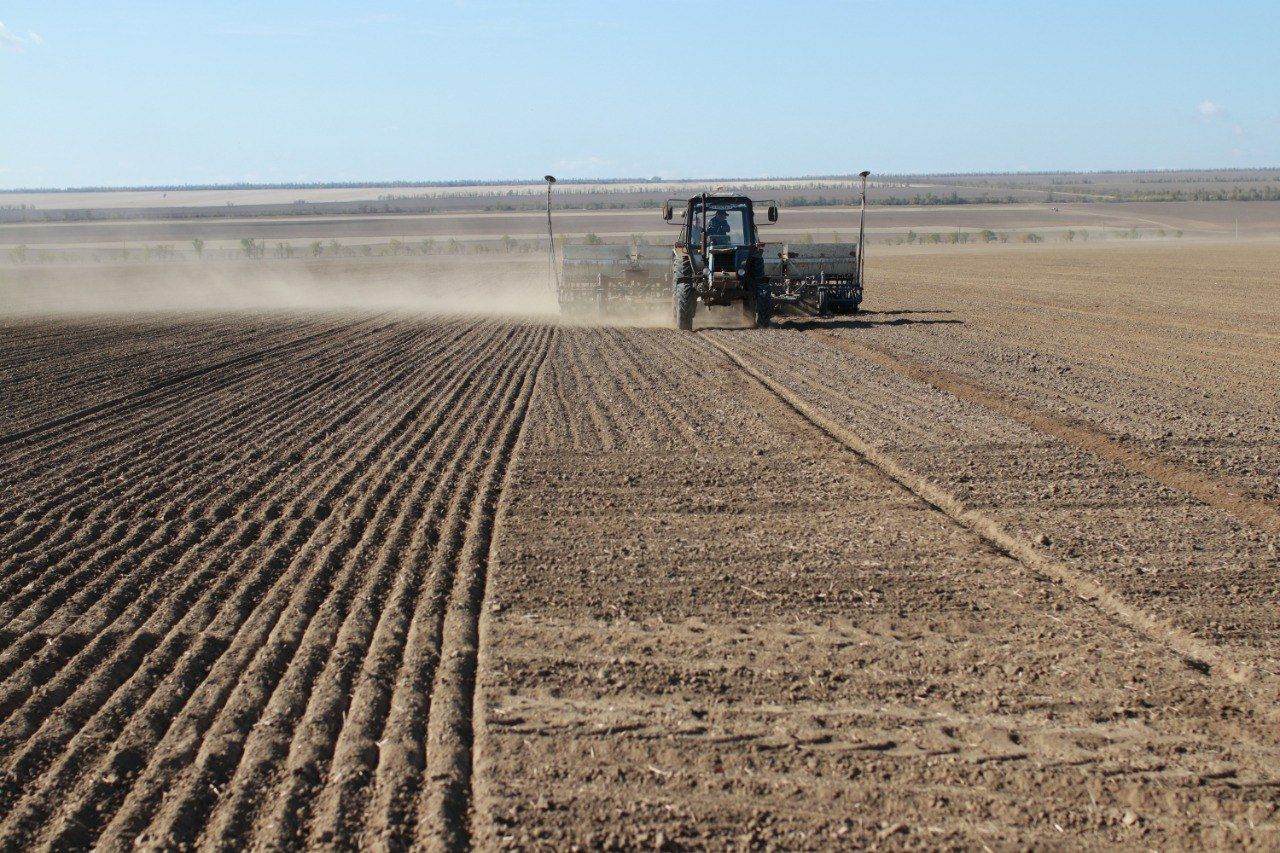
[47,374]
[222,611]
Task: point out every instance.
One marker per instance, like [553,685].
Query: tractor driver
[718,228]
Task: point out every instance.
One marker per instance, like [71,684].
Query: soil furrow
[334,766]
[249,415]
[206,527]
[156,390]
[300,751]
[342,486]
[202,569]
[124,435]
[310,583]
[189,628]
[446,813]
[209,508]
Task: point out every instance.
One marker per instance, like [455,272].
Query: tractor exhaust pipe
[554,278]
[862,221]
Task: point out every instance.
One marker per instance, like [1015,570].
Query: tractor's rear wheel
[685,303]
[760,307]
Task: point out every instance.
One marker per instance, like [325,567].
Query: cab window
[726,224]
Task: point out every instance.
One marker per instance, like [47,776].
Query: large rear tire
[762,307]
[685,302]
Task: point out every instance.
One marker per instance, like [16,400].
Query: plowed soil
[992,565]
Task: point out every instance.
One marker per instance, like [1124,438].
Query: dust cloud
[432,285]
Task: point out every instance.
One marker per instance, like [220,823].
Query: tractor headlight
[742,272]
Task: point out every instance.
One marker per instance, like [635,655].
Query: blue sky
[126,93]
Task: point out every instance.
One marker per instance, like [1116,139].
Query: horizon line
[409,184]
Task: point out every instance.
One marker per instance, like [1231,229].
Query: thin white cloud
[1208,109]
[9,40]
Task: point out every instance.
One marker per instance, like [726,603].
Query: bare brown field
[1192,219]
[991,565]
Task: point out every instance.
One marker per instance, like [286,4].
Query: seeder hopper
[613,279]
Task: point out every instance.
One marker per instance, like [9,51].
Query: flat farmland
[1194,219]
[991,564]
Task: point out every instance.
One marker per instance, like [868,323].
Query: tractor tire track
[1083,435]
[1206,657]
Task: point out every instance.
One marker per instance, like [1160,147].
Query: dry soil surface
[991,565]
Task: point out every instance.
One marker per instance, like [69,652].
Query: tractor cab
[718,257]
[719,239]
[728,222]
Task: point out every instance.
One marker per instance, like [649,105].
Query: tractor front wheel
[685,302]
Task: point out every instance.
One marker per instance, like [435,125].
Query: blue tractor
[719,259]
